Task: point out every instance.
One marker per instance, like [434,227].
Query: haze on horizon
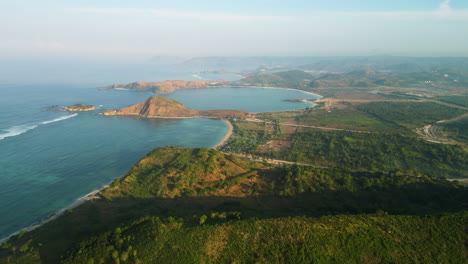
[142,29]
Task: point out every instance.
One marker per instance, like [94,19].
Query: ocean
[50,159]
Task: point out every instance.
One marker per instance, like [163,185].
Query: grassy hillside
[143,218]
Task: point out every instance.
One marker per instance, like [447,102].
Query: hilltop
[162,107]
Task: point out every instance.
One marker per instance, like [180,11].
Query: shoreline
[227,136]
[277,88]
[227,86]
[87,197]
[92,195]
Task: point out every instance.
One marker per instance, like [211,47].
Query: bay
[49,159]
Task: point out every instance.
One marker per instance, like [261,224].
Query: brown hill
[167,86]
[162,107]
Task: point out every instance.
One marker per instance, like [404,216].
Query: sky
[135,29]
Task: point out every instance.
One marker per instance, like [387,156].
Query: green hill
[201,205]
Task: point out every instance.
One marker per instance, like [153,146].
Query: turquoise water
[49,159]
[252,100]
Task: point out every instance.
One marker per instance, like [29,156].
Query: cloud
[177,14]
[443,12]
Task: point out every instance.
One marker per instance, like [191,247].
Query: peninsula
[162,107]
[166,86]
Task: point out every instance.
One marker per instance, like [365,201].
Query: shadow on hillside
[101,215]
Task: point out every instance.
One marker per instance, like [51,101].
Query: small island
[162,107]
[53,107]
[79,108]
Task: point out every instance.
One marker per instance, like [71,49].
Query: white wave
[16,130]
[196,76]
[21,129]
[58,119]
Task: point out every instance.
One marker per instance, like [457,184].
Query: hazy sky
[141,29]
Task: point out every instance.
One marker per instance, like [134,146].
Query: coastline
[278,88]
[227,136]
[87,197]
[93,195]
[233,86]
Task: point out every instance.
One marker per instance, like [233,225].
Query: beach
[227,136]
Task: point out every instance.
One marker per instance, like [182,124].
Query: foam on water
[16,130]
[21,129]
[58,119]
[196,76]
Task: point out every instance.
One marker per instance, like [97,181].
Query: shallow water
[49,159]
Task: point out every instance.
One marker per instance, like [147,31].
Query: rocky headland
[167,86]
[161,107]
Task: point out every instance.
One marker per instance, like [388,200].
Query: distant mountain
[246,63]
[290,79]
[358,78]
[167,59]
[396,64]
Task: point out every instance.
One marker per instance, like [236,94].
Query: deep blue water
[49,159]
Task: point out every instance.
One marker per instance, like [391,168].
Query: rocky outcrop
[161,107]
[166,86]
[79,108]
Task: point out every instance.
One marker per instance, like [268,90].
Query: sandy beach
[227,136]
[279,88]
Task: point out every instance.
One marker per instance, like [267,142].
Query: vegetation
[77,107]
[291,79]
[252,217]
[457,100]
[347,118]
[409,115]
[366,190]
[360,78]
[337,239]
[356,151]
[457,130]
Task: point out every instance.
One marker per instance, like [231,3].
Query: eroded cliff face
[168,86]
[161,107]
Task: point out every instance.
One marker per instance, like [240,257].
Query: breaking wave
[58,119]
[21,129]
